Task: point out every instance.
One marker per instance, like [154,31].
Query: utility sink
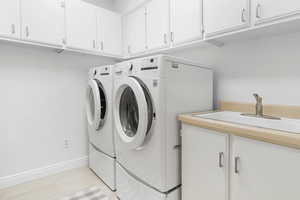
[285,124]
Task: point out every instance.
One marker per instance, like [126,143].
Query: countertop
[282,138]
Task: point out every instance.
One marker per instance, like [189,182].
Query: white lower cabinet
[205,164]
[256,170]
[263,171]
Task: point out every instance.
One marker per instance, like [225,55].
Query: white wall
[41,104]
[268,66]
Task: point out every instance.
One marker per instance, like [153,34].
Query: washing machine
[148,95]
[99,102]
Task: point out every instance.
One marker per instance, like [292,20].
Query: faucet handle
[257,97]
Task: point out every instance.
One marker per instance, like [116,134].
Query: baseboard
[30,175]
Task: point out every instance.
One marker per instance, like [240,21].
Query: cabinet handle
[236,163]
[94,44]
[27,31]
[64,41]
[102,45]
[128,49]
[221,156]
[172,36]
[243,19]
[13,29]
[258,7]
[165,38]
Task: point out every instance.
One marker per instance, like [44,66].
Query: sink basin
[285,124]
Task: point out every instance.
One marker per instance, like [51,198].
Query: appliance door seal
[131,112]
[96,104]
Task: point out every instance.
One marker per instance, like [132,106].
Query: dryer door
[96,104]
[133,112]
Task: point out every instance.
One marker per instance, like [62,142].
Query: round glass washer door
[96,104]
[133,112]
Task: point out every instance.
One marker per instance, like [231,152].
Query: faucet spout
[259,111]
[259,106]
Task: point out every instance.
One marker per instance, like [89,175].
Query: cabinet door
[109,32]
[136,31]
[224,16]
[204,164]
[269,10]
[81,25]
[10,19]
[43,21]
[264,171]
[186,20]
[158,23]
[125,36]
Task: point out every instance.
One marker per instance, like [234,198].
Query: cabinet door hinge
[165,39]
[172,37]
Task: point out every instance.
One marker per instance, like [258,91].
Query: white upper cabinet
[10,19]
[81,25]
[204,164]
[263,171]
[158,23]
[225,15]
[270,10]
[186,20]
[109,32]
[125,36]
[43,21]
[135,31]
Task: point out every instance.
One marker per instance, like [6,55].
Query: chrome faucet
[259,109]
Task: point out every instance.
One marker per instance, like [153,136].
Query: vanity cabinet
[204,164]
[269,10]
[158,24]
[186,21]
[81,25]
[250,169]
[263,171]
[225,16]
[109,32]
[43,21]
[10,19]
